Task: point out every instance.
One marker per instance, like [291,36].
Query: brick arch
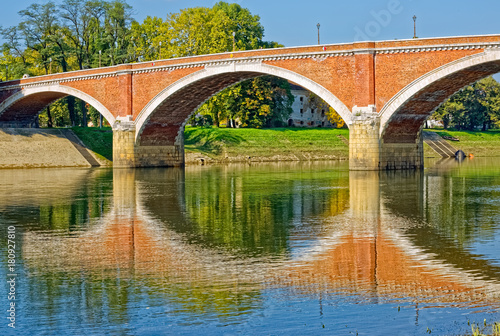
[402,118]
[162,120]
[26,104]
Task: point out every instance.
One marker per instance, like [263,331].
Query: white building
[303,115]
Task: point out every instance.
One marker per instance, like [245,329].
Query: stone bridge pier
[369,151]
[129,153]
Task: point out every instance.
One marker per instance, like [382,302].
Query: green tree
[477,105]
[38,25]
[83,34]
[261,102]
[117,34]
[315,102]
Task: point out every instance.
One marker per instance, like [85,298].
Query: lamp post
[414,26]
[100,52]
[50,65]
[318,25]
[234,42]
[159,56]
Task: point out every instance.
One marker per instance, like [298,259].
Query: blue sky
[293,23]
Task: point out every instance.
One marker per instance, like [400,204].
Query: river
[265,249]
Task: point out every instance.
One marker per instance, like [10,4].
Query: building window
[301,110]
[312,111]
[322,113]
[301,98]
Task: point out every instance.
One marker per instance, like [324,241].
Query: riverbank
[99,140]
[27,148]
[45,148]
[306,144]
[220,145]
[480,144]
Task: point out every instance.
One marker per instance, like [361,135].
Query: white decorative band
[440,47]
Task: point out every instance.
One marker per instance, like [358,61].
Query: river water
[268,249]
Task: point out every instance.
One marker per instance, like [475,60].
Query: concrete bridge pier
[128,153]
[369,151]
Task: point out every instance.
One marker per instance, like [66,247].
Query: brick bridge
[383,90]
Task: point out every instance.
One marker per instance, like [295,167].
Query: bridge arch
[41,96]
[179,100]
[402,117]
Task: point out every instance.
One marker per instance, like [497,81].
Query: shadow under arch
[26,104]
[163,119]
[402,117]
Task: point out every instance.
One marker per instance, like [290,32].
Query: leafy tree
[315,102]
[199,31]
[38,27]
[117,36]
[79,28]
[247,27]
[13,46]
[83,34]
[477,105]
[261,102]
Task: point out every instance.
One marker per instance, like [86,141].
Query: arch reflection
[213,241]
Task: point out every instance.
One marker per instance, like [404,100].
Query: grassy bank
[243,144]
[246,144]
[99,140]
[482,144]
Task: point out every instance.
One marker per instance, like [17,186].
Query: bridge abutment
[367,150]
[128,154]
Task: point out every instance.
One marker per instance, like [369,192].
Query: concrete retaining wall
[37,148]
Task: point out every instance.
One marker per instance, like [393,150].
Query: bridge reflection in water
[213,240]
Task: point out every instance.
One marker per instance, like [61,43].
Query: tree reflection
[211,242]
[256,212]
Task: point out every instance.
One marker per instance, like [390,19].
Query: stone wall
[364,144]
[38,148]
[396,156]
[127,153]
[367,151]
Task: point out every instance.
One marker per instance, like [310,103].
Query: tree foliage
[77,34]
[315,102]
[261,102]
[475,106]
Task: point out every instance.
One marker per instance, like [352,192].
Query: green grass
[228,143]
[483,144]
[99,140]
